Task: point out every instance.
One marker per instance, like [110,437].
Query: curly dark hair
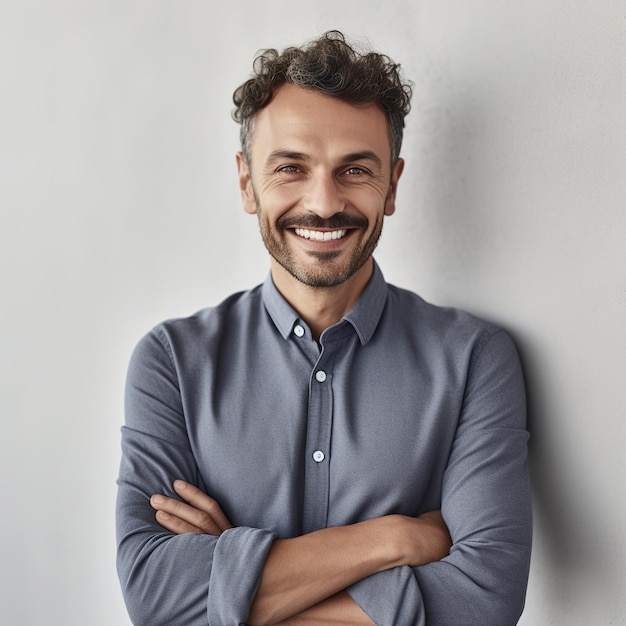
[333,67]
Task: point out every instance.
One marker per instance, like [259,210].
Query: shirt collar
[364,315]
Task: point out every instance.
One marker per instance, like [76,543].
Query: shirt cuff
[390,598]
[238,562]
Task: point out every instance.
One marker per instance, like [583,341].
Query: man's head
[333,67]
[321,133]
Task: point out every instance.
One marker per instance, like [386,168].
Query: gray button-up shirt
[404,407]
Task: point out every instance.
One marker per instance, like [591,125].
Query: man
[325,448]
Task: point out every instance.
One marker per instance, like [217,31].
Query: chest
[307,442]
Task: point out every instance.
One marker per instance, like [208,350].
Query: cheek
[368,203]
[277,201]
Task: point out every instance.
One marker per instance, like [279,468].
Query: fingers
[172,523]
[180,517]
[199,514]
[204,503]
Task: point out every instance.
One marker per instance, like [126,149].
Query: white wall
[119,208]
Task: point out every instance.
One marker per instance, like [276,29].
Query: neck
[321,307]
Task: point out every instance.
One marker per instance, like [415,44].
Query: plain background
[120,208]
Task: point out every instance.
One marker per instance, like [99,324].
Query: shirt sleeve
[486,504]
[189,579]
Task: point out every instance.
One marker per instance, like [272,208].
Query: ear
[390,201]
[245,185]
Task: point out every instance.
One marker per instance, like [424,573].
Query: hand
[199,513]
[425,539]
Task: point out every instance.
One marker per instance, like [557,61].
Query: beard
[319,269]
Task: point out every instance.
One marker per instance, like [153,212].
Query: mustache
[312,221]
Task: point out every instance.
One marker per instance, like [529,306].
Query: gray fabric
[421,408]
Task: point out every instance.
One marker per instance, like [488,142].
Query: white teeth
[319,235]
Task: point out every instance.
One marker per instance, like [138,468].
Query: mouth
[321,235]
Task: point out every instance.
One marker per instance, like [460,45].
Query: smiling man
[320,176]
[324,448]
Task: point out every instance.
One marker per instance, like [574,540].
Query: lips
[311,227]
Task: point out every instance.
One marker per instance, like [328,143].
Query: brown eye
[355,171]
[288,169]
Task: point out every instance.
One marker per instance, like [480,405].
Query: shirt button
[318,456]
[320,376]
[298,331]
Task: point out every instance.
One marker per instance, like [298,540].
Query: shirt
[403,407]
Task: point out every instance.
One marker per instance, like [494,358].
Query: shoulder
[204,327]
[408,308]
[449,332]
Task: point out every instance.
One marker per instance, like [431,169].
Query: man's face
[320,180]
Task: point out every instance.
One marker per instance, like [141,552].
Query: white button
[298,331]
[318,456]
[320,376]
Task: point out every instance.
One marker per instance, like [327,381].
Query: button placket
[320,417]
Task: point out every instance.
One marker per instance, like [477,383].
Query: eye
[288,169]
[356,171]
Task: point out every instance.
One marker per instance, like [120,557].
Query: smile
[318,235]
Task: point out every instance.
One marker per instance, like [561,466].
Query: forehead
[308,121]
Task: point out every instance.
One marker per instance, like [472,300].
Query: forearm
[305,570]
[338,610]
[301,572]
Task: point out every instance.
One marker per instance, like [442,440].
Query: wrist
[389,541]
[401,536]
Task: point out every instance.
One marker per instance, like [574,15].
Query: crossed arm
[204,574]
[304,578]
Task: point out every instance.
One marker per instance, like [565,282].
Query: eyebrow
[278,155]
[366,155]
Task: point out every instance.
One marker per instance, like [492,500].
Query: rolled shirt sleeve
[486,505]
[173,579]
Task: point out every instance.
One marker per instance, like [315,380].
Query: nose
[323,195]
